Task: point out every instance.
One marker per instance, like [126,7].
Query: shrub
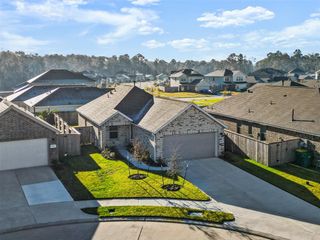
[109,154]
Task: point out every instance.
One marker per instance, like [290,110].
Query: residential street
[128,231]
[257,205]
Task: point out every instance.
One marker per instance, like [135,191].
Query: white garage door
[190,146]
[24,153]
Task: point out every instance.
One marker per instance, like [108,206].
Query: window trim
[113,132]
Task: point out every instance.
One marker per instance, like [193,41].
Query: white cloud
[15,42]
[297,36]
[152,44]
[189,44]
[127,22]
[144,2]
[237,17]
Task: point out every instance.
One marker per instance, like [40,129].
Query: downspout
[155,148]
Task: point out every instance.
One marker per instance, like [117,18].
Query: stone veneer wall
[190,122]
[146,138]
[15,126]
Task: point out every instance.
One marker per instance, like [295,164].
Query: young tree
[174,167]
[139,152]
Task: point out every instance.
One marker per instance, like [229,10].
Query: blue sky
[164,29]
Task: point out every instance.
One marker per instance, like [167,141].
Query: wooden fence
[68,139]
[87,135]
[269,154]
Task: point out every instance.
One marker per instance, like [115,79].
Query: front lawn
[301,182]
[207,101]
[162,212]
[91,176]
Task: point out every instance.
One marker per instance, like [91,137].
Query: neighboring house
[25,140]
[59,90]
[268,123]
[219,79]
[288,83]
[239,80]
[251,80]
[317,75]
[162,77]
[311,83]
[185,79]
[63,99]
[294,74]
[163,126]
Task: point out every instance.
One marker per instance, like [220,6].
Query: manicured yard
[301,182]
[180,94]
[91,176]
[159,211]
[206,101]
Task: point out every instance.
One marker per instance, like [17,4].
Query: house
[163,126]
[162,77]
[311,83]
[295,73]
[239,80]
[57,77]
[288,83]
[36,140]
[219,79]
[268,123]
[317,75]
[185,79]
[56,90]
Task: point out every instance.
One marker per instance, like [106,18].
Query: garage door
[25,153]
[190,146]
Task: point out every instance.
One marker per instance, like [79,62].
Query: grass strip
[161,212]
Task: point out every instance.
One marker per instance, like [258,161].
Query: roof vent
[250,91]
[285,95]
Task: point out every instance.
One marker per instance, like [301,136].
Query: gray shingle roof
[161,112]
[66,96]
[220,73]
[102,108]
[272,105]
[29,92]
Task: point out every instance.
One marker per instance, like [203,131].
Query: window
[239,79]
[113,132]
[238,127]
[250,130]
[263,133]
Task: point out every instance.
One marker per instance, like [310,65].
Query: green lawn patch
[301,182]
[162,212]
[91,176]
[207,101]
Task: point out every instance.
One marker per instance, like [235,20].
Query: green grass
[180,94]
[206,102]
[160,211]
[289,177]
[91,176]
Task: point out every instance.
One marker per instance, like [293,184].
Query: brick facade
[190,122]
[16,126]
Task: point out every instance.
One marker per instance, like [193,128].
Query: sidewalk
[206,205]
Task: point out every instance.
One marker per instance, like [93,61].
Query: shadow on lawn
[70,166]
[289,186]
[300,172]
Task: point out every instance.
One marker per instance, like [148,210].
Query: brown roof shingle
[273,105]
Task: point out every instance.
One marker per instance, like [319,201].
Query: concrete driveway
[15,211]
[256,204]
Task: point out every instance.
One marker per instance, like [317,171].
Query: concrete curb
[143,219]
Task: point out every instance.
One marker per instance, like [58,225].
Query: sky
[163,29]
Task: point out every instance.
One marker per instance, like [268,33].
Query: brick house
[163,126]
[268,123]
[36,140]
